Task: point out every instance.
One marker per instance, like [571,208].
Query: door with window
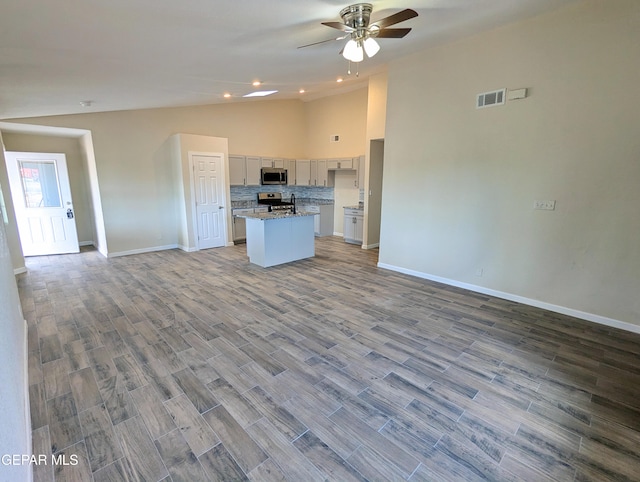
[208,184]
[42,201]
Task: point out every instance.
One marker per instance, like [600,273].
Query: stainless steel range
[275,202]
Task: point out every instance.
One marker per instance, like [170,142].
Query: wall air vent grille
[489,99]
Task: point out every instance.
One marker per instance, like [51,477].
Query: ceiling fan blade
[324,41]
[339,26]
[401,16]
[392,33]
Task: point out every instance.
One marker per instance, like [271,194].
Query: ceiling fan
[362,34]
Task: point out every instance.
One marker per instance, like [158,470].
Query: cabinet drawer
[312,209]
[353,212]
[241,211]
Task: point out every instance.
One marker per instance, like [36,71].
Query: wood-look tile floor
[201,366]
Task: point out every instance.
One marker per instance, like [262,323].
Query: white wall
[459,183]
[14,414]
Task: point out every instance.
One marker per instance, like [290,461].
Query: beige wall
[459,183]
[344,115]
[14,415]
[78,179]
[12,237]
[135,189]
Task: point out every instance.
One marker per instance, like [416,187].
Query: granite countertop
[267,216]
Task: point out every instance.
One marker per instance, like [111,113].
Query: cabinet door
[361,167]
[237,170]
[358,228]
[253,171]
[346,164]
[349,227]
[266,162]
[313,172]
[290,166]
[279,163]
[321,177]
[303,172]
[333,164]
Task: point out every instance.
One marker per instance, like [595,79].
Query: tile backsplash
[249,194]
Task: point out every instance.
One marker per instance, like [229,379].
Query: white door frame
[225,199]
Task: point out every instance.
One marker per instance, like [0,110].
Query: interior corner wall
[460,182]
[11,229]
[15,436]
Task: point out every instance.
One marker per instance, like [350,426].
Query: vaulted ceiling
[133,54]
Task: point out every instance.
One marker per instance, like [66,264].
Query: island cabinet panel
[280,240]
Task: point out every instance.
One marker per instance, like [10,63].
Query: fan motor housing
[357,16]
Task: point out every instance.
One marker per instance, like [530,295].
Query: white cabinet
[237,170]
[313,172]
[323,222]
[303,172]
[271,162]
[360,168]
[290,166]
[353,225]
[239,225]
[322,175]
[335,164]
[244,170]
[254,165]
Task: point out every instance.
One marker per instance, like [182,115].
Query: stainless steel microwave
[273,175]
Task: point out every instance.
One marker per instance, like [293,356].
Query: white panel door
[208,181]
[42,201]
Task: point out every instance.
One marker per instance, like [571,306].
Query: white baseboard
[142,250]
[20,270]
[187,249]
[602,320]
[371,246]
[86,243]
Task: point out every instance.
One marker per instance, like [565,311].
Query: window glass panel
[40,184]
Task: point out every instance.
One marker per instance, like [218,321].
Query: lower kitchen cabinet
[323,223]
[240,224]
[353,225]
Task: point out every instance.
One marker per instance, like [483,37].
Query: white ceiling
[133,54]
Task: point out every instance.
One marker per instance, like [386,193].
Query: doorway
[41,194]
[208,187]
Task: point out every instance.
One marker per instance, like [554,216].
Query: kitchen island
[274,238]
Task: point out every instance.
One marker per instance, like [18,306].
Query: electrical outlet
[544,205]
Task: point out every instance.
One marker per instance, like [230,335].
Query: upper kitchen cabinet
[237,170]
[322,174]
[290,166]
[358,162]
[271,162]
[303,172]
[335,164]
[254,164]
[244,170]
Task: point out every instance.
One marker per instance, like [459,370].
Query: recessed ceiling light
[301,91]
[339,79]
[256,83]
[260,93]
[227,95]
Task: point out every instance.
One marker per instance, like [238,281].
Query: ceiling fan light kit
[355,24]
